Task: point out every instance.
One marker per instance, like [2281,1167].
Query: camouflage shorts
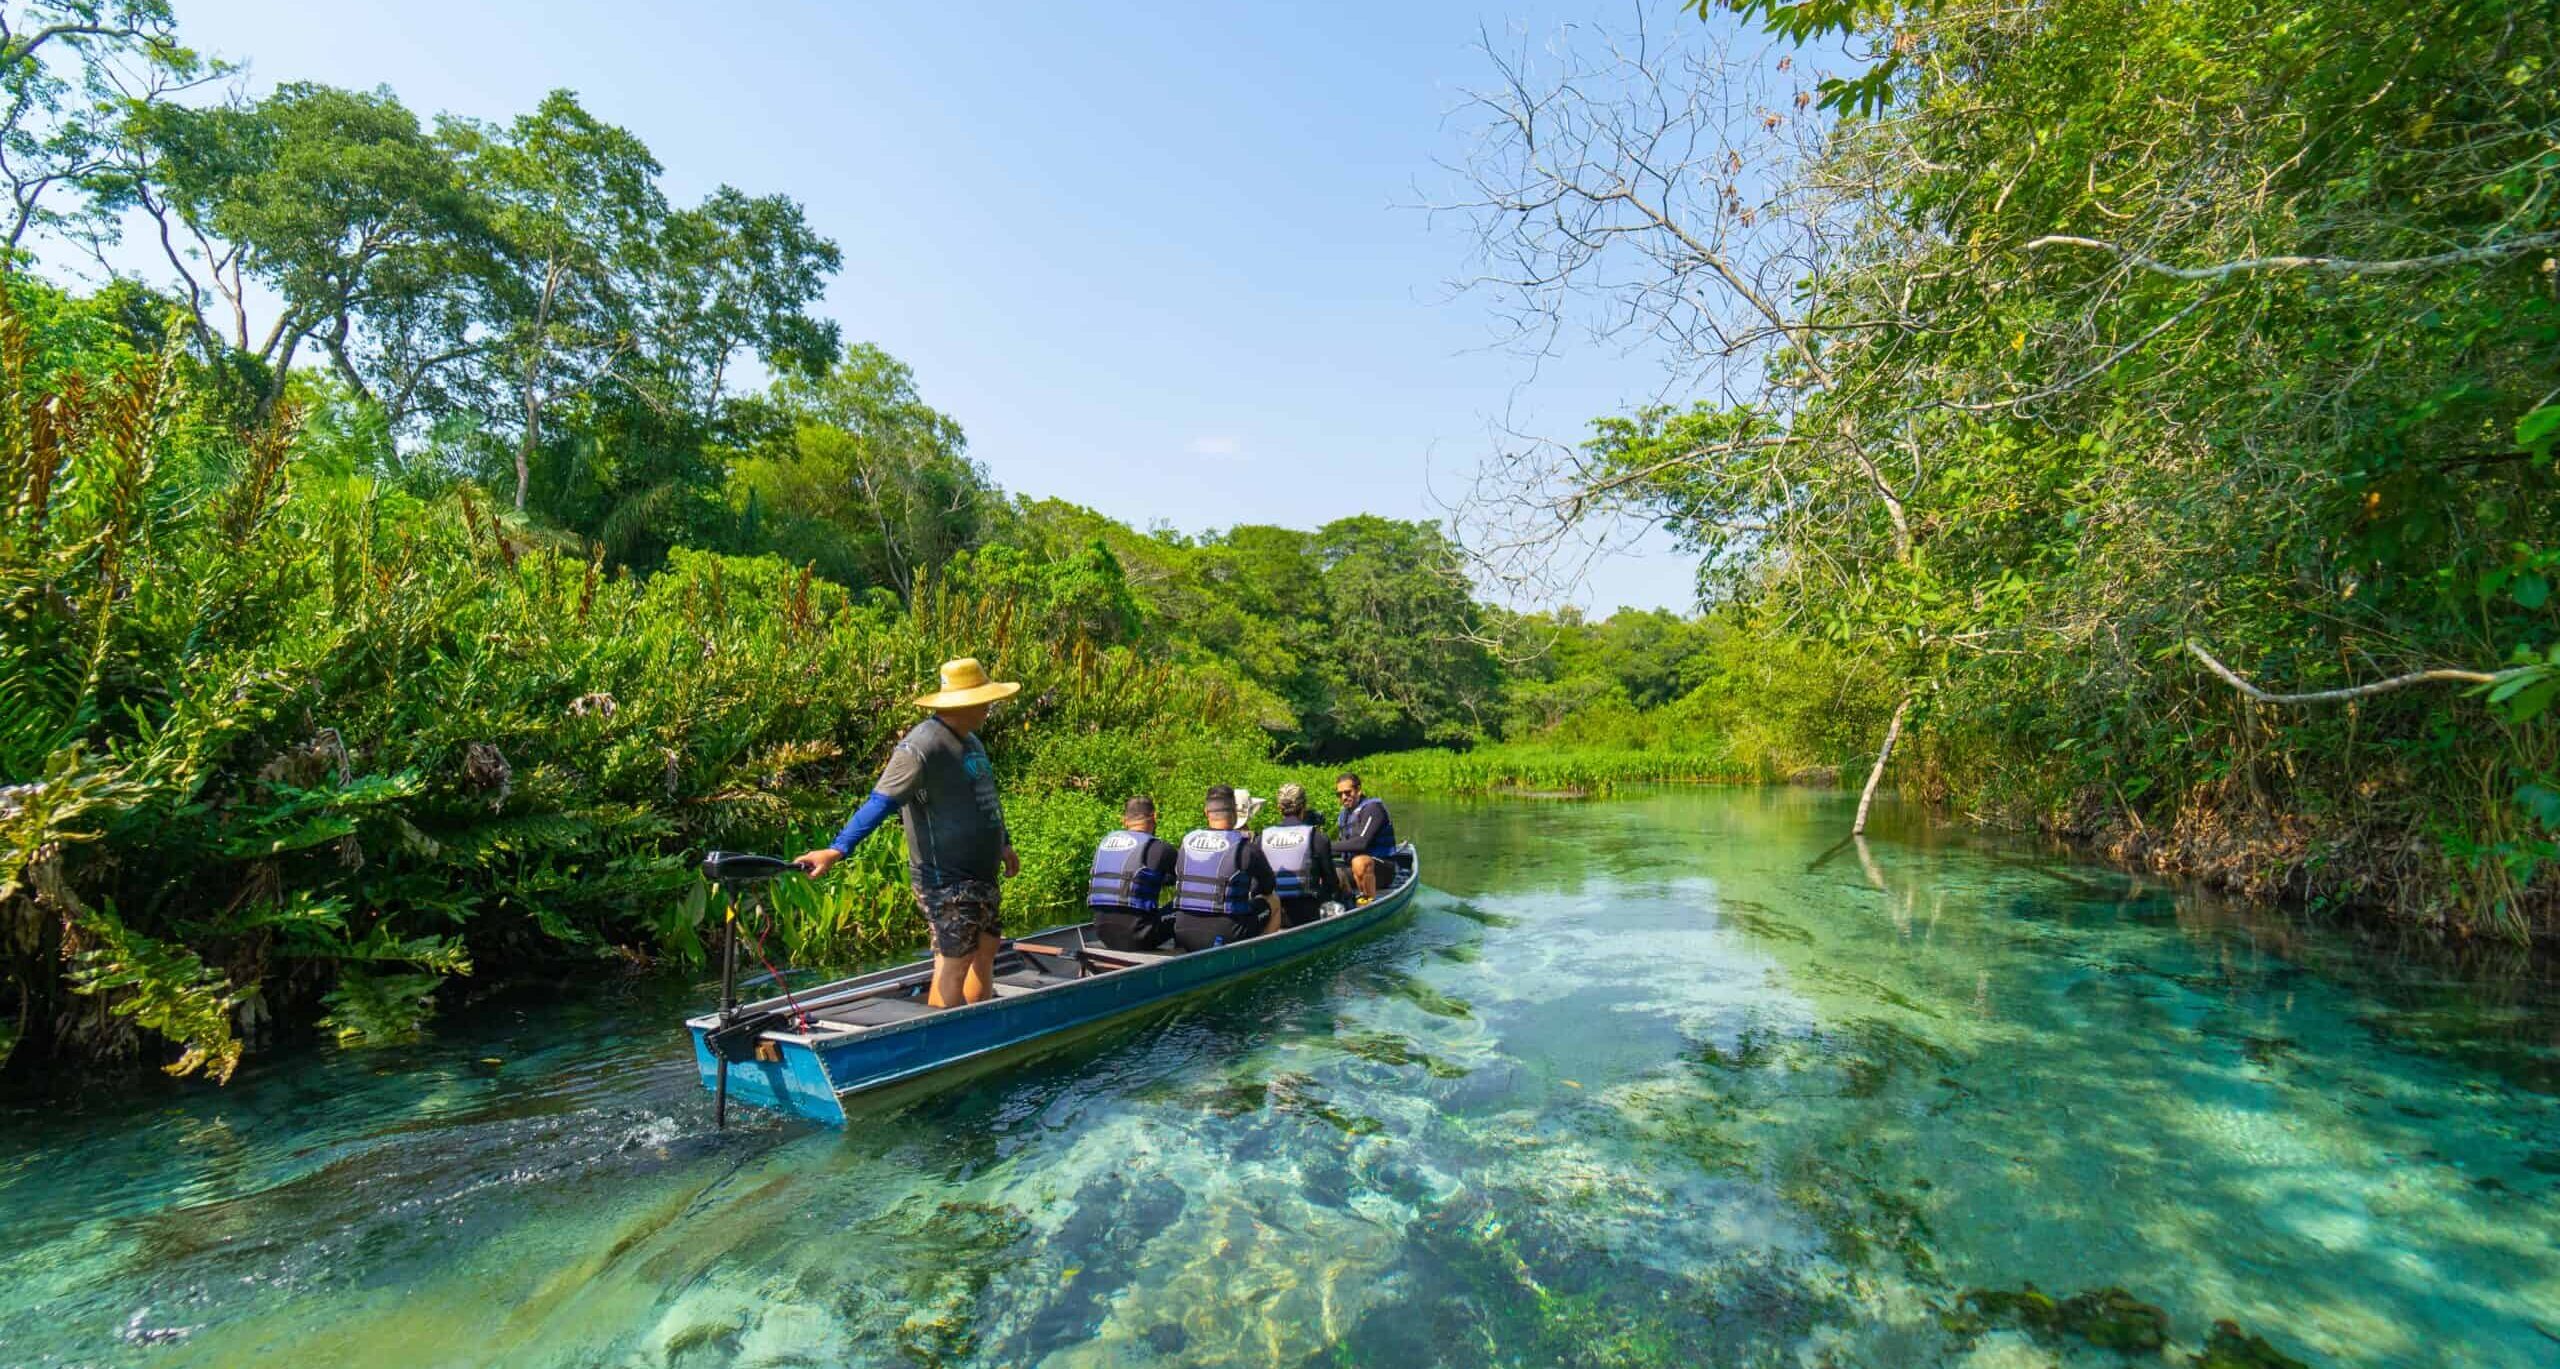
[962,913]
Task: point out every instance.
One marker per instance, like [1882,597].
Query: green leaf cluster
[279,740]
[2144,322]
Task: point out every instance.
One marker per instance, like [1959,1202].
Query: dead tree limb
[1892,732]
[2330,696]
[2494,251]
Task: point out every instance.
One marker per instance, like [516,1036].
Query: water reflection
[1645,1082]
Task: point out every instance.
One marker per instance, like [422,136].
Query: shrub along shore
[433,635]
[292,746]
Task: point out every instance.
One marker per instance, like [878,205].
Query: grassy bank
[1547,769]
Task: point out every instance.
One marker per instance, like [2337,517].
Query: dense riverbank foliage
[277,735]
[2054,338]
[401,587]
[292,737]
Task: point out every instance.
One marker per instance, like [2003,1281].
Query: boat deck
[1018,972]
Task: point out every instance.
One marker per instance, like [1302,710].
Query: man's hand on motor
[816,862]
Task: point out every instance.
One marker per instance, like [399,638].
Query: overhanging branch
[2485,252]
[2330,696]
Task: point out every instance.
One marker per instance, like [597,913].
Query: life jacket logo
[1119,841]
[1206,843]
[1285,838]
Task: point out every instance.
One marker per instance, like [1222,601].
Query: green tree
[1083,597]
[1406,633]
[635,478]
[856,473]
[738,273]
[575,201]
[1263,606]
[2137,326]
[70,71]
[337,203]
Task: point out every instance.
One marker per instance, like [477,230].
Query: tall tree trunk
[898,577]
[532,396]
[279,377]
[531,437]
[1892,733]
[524,451]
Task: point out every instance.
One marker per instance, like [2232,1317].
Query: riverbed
[1667,1079]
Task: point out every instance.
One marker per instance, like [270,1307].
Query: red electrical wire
[756,943]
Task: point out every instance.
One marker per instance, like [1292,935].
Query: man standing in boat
[941,786]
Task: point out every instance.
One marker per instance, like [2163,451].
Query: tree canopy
[2061,337]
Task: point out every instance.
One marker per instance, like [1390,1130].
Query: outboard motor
[734,871]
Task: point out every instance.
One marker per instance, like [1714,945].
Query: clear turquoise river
[1643,1082]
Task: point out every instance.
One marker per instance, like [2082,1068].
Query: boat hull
[811,1074]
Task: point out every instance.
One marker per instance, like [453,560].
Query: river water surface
[1639,1082]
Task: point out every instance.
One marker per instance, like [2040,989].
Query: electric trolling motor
[734,1039]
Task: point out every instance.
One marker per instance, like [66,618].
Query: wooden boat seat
[876,1012]
[1027,979]
[1107,957]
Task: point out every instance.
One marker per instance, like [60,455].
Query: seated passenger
[1130,871]
[1366,835]
[1301,859]
[1221,881]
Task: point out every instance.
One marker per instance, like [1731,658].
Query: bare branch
[2485,252]
[2328,696]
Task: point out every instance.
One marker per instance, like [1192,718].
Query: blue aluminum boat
[809,1051]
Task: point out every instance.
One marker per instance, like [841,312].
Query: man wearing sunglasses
[1364,833]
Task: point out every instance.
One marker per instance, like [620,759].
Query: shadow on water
[1651,1082]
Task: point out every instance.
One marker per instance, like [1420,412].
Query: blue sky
[1154,257]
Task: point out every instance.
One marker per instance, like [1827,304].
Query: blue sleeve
[874,811]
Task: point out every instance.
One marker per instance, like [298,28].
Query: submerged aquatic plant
[2233,1348]
[2109,1318]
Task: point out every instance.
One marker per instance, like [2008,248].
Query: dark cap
[1138,806]
[1221,796]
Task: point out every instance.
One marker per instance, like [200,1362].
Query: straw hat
[965,682]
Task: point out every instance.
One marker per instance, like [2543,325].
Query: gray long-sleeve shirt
[945,790]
